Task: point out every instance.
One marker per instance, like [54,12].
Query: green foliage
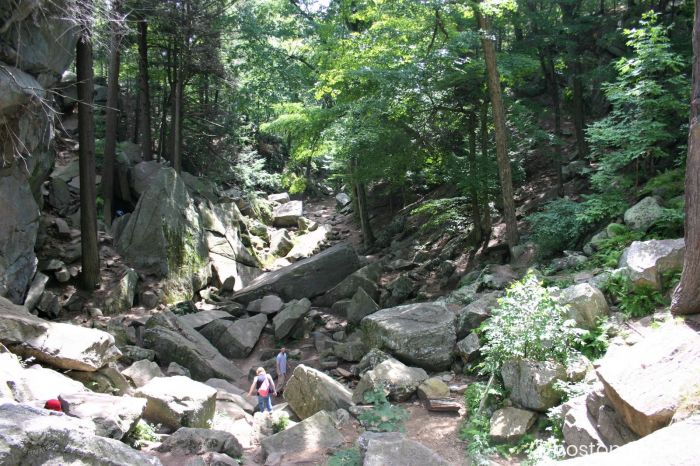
[527,323]
[649,105]
[449,215]
[249,173]
[599,208]
[141,433]
[545,451]
[383,417]
[281,423]
[634,300]
[670,224]
[668,184]
[594,343]
[347,457]
[609,250]
[557,226]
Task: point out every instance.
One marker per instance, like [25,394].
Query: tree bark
[177,120]
[367,234]
[474,179]
[144,93]
[86,126]
[111,120]
[686,299]
[499,118]
[486,208]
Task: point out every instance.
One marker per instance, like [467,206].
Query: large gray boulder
[646,383]
[64,346]
[643,214]
[585,304]
[197,441]
[141,372]
[675,445]
[360,306]
[201,319]
[579,429]
[531,383]
[398,380]
[394,449]
[510,424]
[309,391]
[306,278]
[288,214]
[308,244]
[178,402]
[288,318]
[421,334]
[280,242]
[33,437]
[646,261]
[142,175]
[114,416]
[235,339]
[365,278]
[475,313]
[120,298]
[175,341]
[315,434]
[164,234]
[34,385]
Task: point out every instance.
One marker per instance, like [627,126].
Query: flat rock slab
[309,391]
[647,382]
[420,334]
[114,416]
[199,319]
[306,278]
[178,402]
[510,424]
[287,214]
[315,433]
[141,372]
[394,449]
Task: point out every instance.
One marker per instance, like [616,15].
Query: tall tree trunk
[177,120]
[686,299]
[86,127]
[367,234]
[474,179]
[578,113]
[112,119]
[553,85]
[144,93]
[504,172]
[486,208]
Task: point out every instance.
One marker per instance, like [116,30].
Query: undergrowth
[383,416]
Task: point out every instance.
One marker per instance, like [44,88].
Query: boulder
[131,354]
[164,234]
[235,339]
[646,261]
[392,376]
[64,346]
[433,388]
[201,319]
[38,436]
[308,244]
[314,434]
[309,391]
[178,402]
[468,347]
[647,382]
[352,349]
[585,303]
[271,305]
[394,449]
[531,383]
[643,214]
[360,306]
[281,198]
[674,445]
[230,275]
[365,278]
[510,424]
[197,441]
[280,242]
[475,313]
[612,427]
[142,175]
[285,321]
[36,384]
[176,369]
[230,393]
[579,430]
[497,277]
[114,416]
[400,290]
[306,278]
[175,341]
[288,214]
[107,380]
[141,372]
[422,334]
[36,289]
[342,199]
[120,297]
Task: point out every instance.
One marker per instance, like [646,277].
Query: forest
[473,226]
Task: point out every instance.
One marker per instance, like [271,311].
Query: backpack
[264,388]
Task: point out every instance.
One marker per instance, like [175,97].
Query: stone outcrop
[314,434]
[306,278]
[392,376]
[365,278]
[421,334]
[647,382]
[178,402]
[60,345]
[114,416]
[309,391]
[646,261]
[164,234]
[394,449]
[198,320]
[175,341]
[235,339]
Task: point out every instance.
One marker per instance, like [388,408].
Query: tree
[144,93]
[499,118]
[686,299]
[86,127]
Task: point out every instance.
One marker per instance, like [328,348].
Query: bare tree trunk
[499,118]
[145,97]
[86,126]
[177,120]
[474,179]
[367,234]
[686,299]
[486,208]
[112,119]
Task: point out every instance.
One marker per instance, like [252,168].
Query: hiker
[264,385]
[281,368]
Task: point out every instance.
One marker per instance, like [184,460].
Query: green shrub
[609,250]
[450,215]
[668,184]
[280,423]
[634,300]
[600,208]
[383,417]
[527,324]
[669,225]
[593,343]
[557,226]
[346,457]
[140,434]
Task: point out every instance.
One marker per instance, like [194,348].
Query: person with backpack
[265,388]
